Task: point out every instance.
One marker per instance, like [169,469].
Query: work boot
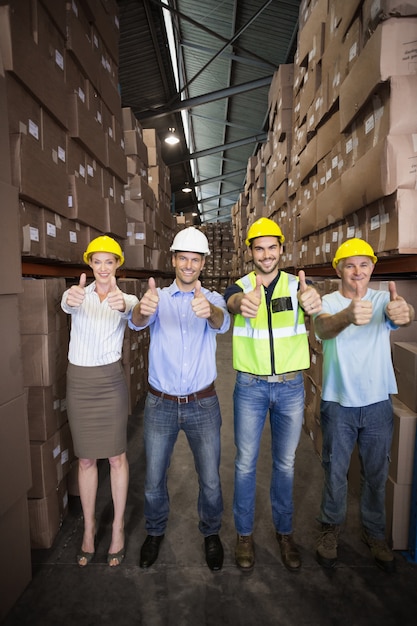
[326,547]
[382,554]
[244,552]
[289,552]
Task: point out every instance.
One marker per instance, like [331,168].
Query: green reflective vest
[284,329]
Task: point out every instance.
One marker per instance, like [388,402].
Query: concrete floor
[179,590]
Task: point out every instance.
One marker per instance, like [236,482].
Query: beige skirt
[97,406]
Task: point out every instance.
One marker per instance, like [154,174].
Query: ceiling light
[186,188]
[194,214]
[172,138]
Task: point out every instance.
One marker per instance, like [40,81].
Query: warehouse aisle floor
[179,590]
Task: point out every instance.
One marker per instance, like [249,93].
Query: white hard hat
[190,240]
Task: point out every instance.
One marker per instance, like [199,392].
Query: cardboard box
[375,12]
[50,461]
[38,178]
[329,205]
[15,548]
[11,368]
[135,145]
[9,250]
[280,95]
[153,144]
[140,233]
[401,468]
[76,240]
[116,157]
[40,306]
[44,357]
[15,468]
[31,231]
[405,366]
[46,516]
[307,219]
[392,223]
[387,53]
[24,110]
[138,256]
[47,409]
[79,41]
[328,135]
[390,165]
[387,112]
[54,243]
[311,32]
[86,204]
[105,17]
[129,121]
[397,504]
[87,128]
[23,57]
[138,189]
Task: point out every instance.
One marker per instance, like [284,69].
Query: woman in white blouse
[97,393]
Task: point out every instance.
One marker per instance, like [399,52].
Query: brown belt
[204,393]
[277,378]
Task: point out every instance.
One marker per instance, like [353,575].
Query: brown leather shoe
[244,552]
[289,552]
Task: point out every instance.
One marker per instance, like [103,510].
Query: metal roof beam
[221,195]
[228,43]
[227,55]
[220,177]
[223,122]
[204,28]
[205,98]
[222,208]
[227,146]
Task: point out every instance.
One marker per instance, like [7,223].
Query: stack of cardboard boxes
[44,341]
[15,470]
[401,475]
[151,224]
[346,166]
[65,123]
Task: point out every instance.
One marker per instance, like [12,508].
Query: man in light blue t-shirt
[358,380]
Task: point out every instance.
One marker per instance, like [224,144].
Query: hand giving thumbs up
[76,293]
[115,297]
[251,301]
[307,295]
[397,308]
[200,304]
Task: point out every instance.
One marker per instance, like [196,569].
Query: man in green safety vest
[270,352]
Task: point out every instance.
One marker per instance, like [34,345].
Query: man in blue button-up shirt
[184,320]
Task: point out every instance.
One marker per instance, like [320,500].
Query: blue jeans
[253,398]
[371,427]
[201,421]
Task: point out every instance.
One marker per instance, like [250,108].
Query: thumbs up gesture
[251,301]
[359,311]
[200,304]
[307,295]
[397,308]
[76,293]
[115,297]
[149,302]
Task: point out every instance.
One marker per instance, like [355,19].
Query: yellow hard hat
[264,227]
[103,244]
[353,247]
